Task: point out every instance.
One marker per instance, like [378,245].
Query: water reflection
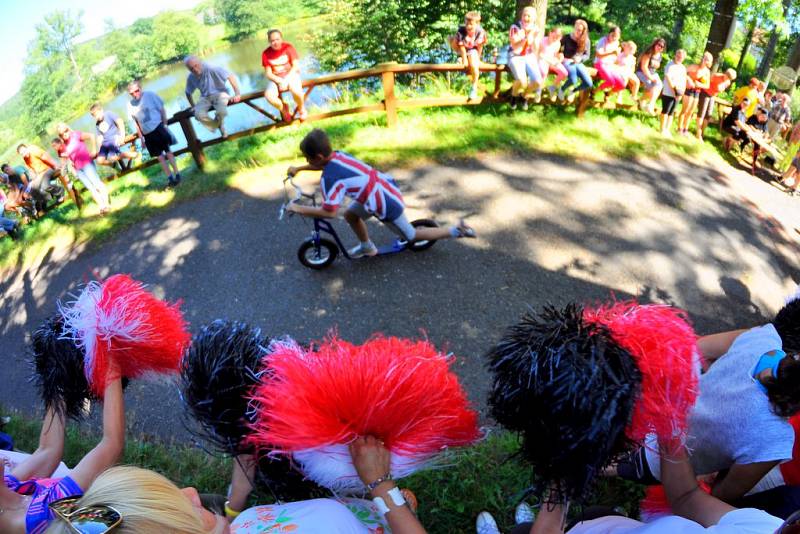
[242,58]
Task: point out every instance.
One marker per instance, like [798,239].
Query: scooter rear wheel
[419,246]
[317,256]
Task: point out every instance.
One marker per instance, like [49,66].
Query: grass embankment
[486,477]
[441,135]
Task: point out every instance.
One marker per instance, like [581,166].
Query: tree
[755,13]
[541,10]
[722,26]
[775,34]
[57,33]
[242,17]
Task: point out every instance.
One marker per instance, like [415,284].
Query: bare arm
[107,452]
[310,211]
[92,139]
[683,493]
[371,460]
[713,346]
[235,84]
[48,454]
[551,519]
[244,470]
[121,127]
[270,74]
[740,479]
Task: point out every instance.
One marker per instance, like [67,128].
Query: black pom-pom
[58,369]
[787,323]
[569,390]
[219,369]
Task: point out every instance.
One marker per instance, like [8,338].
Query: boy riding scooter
[372,192]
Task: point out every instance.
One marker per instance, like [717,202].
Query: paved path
[717,242]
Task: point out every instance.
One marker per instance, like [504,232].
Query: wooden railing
[390,104]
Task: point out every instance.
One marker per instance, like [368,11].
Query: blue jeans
[575,71]
[7,224]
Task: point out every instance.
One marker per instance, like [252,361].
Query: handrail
[389,104]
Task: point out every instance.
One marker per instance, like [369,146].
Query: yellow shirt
[751,95]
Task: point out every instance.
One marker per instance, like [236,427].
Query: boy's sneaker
[473,93]
[177,178]
[524,104]
[523,514]
[362,250]
[514,102]
[485,524]
[462,229]
[170,181]
[286,115]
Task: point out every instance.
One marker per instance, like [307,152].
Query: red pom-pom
[120,324]
[655,503]
[399,391]
[664,345]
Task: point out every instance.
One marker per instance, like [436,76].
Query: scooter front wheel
[418,246]
[317,255]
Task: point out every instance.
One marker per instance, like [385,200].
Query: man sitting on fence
[282,69]
[110,136]
[210,81]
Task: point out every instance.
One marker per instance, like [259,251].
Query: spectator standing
[148,113]
[705,107]
[751,92]
[282,68]
[468,43]
[605,55]
[699,79]
[576,48]
[110,136]
[649,63]
[42,169]
[71,147]
[780,116]
[523,61]
[675,80]
[210,81]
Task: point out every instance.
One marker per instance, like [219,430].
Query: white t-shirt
[742,521]
[732,421]
[677,73]
[146,110]
[316,516]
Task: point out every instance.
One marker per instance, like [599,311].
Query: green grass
[438,134]
[489,476]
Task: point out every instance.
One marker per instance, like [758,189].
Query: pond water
[242,58]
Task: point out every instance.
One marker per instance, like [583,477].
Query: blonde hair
[472,15]
[631,45]
[148,503]
[731,74]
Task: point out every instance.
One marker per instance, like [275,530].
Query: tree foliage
[242,17]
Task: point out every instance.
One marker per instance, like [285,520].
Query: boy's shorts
[108,150]
[399,226]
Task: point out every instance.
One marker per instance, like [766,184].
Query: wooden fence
[390,104]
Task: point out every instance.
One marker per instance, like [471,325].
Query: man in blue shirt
[210,81]
[110,136]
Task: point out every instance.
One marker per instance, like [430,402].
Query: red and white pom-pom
[118,319]
[400,391]
[655,503]
[664,346]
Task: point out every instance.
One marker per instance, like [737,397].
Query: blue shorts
[108,150]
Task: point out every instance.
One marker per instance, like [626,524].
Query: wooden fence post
[192,142]
[389,100]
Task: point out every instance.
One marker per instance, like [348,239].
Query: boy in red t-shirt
[282,69]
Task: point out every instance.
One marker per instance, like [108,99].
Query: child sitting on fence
[373,193]
[551,58]
[468,43]
[625,66]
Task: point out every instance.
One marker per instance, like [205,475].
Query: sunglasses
[97,519]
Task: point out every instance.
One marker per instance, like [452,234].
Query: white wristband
[397,499]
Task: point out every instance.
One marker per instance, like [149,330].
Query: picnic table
[761,144]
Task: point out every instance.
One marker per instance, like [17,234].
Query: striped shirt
[43,491]
[346,176]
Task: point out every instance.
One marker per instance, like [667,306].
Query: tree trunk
[75,66]
[748,40]
[541,11]
[769,53]
[794,54]
[720,33]
[677,28]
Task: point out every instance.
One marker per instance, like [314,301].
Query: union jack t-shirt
[346,176]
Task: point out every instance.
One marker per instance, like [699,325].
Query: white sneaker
[561,95]
[523,514]
[362,250]
[551,90]
[485,524]
[524,104]
[538,96]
